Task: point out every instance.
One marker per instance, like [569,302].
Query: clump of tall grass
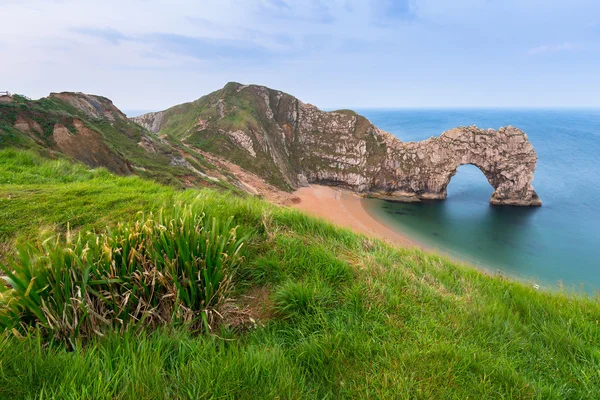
[297,299]
[173,268]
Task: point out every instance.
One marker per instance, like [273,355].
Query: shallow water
[558,243]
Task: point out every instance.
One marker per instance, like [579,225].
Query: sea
[556,246]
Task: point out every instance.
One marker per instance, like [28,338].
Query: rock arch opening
[469,181]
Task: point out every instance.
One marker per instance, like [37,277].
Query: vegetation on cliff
[309,310]
[289,143]
[92,130]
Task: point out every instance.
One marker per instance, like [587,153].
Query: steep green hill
[290,144]
[92,130]
[310,311]
[235,123]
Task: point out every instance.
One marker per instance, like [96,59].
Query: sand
[345,209]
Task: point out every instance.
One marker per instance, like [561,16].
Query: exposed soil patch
[88,147]
[248,311]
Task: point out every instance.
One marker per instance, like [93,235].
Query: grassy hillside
[104,138]
[309,310]
[203,124]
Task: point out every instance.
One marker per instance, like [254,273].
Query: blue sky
[151,54]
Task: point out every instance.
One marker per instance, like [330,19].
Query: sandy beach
[345,209]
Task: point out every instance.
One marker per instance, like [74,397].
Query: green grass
[37,193]
[341,315]
[121,138]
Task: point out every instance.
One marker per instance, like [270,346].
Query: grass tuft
[175,268]
[297,299]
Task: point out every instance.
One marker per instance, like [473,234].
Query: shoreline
[346,210]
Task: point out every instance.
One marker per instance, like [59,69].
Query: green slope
[105,138]
[204,122]
[334,314]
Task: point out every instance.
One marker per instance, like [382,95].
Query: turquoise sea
[557,244]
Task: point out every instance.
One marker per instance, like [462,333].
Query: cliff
[262,141]
[91,129]
[290,143]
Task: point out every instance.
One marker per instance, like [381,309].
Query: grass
[342,315]
[175,268]
[36,193]
[120,137]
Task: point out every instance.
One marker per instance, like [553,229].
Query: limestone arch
[505,157]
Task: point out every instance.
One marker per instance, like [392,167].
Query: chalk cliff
[274,137]
[290,143]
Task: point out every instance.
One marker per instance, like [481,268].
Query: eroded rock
[151,121]
[93,106]
[301,144]
[87,146]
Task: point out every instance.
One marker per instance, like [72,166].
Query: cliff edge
[290,143]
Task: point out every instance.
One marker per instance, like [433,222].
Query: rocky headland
[292,144]
[267,142]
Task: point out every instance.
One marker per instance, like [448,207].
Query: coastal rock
[93,106]
[291,143]
[373,162]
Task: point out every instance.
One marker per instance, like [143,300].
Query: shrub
[175,268]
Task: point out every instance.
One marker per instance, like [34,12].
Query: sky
[153,54]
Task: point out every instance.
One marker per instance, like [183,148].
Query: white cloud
[155,53]
[555,48]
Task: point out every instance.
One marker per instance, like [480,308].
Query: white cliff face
[151,121]
[243,140]
[303,144]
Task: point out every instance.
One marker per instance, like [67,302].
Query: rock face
[93,106]
[424,169]
[151,121]
[371,161]
[87,146]
[292,143]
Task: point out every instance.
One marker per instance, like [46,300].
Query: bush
[176,268]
